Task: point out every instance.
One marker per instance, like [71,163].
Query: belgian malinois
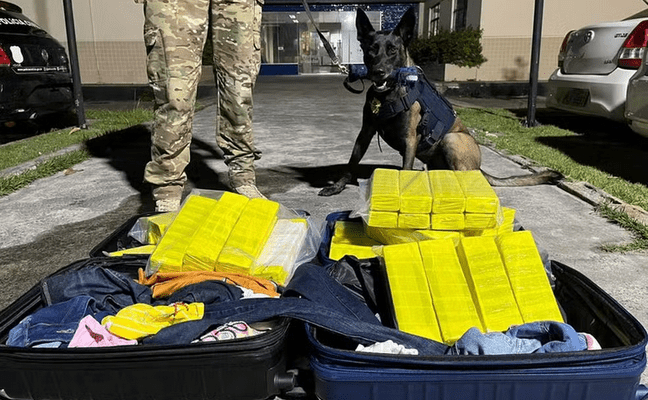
[385,52]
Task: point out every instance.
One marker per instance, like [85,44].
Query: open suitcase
[612,373]
[247,368]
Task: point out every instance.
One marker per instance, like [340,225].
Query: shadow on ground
[129,150]
[606,145]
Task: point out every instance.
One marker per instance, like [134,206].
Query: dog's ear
[405,27]
[363,25]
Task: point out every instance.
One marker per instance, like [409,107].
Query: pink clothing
[91,333]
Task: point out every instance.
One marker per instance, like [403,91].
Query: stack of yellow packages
[210,238]
[409,289]
[415,200]
[169,254]
[349,238]
[528,277]
[248,236]
[384,198]
[483,209]
[449,201]
[231,234]
[489,283]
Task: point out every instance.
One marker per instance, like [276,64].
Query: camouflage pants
[174,34]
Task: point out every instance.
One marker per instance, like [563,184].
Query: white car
[595,64]
[637,102]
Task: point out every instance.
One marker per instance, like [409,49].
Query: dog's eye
[392,50]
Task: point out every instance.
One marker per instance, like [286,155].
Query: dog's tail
[536,178]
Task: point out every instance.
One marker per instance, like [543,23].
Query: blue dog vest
[437,114]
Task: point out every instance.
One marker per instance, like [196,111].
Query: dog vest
[437,114]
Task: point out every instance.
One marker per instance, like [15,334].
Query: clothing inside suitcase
[245,368]
[611,373]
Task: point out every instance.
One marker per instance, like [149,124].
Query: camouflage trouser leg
[174,34]
[236,26]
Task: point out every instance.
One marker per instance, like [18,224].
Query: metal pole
[535,63]
[74,64]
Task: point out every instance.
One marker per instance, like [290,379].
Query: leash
[356,72]
[327,45]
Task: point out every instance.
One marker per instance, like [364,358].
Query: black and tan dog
[451,147]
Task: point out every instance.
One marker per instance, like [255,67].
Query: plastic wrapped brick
[433,234]
[413,221]
[415,194]
[382,219]
[448,196]
[507,225]
[277,260]
[393,235]
[451,295]
[474,221]
[409,291]
[447,222]
[209,240]
[384,193]
[168,256]
[528,278]
[139,250]
[248,237]
[489,283]
[352,232]
[149,230]
[480,196]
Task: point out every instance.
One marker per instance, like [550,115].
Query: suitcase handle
[642,393]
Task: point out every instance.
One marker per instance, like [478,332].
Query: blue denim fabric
[205,292]
[535,337]
[111,290]
[323,303]
[56,323]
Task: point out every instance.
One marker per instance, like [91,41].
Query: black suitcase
[248,368]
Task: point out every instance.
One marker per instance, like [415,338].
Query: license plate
[576,97]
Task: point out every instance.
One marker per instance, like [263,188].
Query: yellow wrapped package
[448,196]
[156,225]
[249,235]
[432,234]
[384,194]
[352,232]
[489,283]
[277,260]
[528,277]
[383,219]
[453,302]
[480,196]
[507,225]
[415,194]
[339,250]
[392,235]
[168,256]
[447,222]
[409,290]
[413,221]
[474,221]
[204,249]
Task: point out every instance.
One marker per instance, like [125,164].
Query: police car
[35,77]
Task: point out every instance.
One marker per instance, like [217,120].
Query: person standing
[175,32]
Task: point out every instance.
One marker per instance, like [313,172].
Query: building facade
[111,50]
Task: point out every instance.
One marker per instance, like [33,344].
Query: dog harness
[437,114]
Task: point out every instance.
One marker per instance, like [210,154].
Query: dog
[405,128]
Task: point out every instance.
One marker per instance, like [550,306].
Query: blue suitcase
[610,374]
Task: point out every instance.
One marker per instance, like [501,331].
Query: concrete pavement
[305,126]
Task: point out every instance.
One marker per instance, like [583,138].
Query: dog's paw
[331,190]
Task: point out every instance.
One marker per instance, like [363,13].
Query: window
[459,14]
[435,16]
